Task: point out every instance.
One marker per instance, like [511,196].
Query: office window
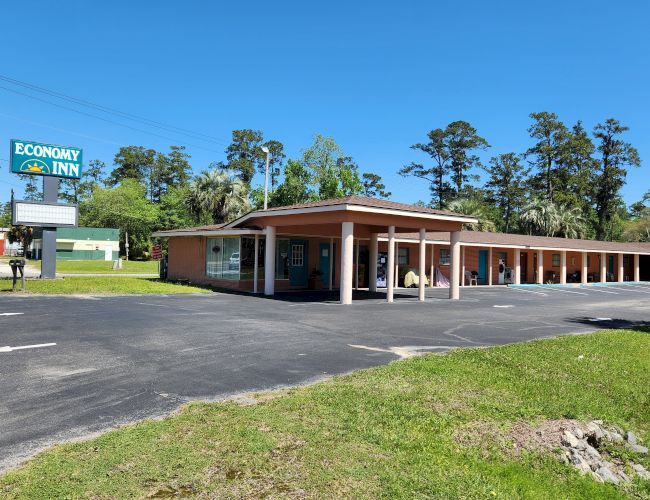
[222,258]
[444,257]
[402,256]
[556,260]
[247,258]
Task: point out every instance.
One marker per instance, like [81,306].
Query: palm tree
[571,222]
[540,217]
[473,208]
[218,195]
[544,218]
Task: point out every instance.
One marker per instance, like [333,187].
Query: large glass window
[282,259]
[222,258]
[556,260]
[402,256]
[248,258]
[444,257]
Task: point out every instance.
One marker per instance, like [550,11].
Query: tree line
[567,183]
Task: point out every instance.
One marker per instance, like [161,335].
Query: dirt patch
[546,435]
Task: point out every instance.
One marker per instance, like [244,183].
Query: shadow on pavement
[643,326]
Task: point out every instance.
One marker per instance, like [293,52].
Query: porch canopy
[350,218]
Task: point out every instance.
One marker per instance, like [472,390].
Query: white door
[108,252]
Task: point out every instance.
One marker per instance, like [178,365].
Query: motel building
[372,244]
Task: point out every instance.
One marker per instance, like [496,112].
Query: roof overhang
[347,207]
[207,232]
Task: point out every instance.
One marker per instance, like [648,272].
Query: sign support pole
[48,254]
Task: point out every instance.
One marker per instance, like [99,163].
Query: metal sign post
[48,255]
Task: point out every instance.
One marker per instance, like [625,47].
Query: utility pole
[266,177]
[126,244]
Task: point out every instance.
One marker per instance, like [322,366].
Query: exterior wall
[187,255]
[186,258]
[85,254]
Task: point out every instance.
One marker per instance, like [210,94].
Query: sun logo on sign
[35,167]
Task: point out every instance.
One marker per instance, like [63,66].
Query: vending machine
[502,272]
[382,259]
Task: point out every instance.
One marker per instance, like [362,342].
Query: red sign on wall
[156,252]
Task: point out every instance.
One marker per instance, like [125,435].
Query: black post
[48,254]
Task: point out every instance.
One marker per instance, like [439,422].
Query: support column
[433,265]
[517,266]
[423,257]
[563,267]
[454,268]
[374,252]
[269,261]
[540,267]
[390,265]
[256,267]
[489,266]
[621,269]
[396,265]
[603,267]
[585,269]
[637,268]
[356,267]
[331,261]
[347,255]
[462,265]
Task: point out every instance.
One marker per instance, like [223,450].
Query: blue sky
[376,75]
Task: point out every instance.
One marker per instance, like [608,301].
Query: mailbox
[18,266]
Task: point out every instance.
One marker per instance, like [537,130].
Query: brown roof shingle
[524,240]
[369,202]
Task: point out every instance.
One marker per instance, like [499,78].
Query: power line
[106,119]
[58,129]
[115,112]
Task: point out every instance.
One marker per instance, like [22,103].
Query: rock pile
[581,444]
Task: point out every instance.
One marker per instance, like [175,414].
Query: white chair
[470,278]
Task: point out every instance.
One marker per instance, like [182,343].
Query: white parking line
[528,291]
[11,314]
[628,289]
[555,289]
[597,289]
[17,348]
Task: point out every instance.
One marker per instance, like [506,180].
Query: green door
[611,267]
[482,266]
[324,263]
[298,263]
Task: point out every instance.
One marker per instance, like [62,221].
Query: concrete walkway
[5,270]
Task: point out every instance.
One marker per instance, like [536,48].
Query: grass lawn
[102,266]
[100,285]
[396,431]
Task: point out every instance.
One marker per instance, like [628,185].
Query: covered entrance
[349,221]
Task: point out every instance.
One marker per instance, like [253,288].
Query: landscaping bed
[458,425]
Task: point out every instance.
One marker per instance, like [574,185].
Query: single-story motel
[330,244]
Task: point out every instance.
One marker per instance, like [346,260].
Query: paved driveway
[119,359]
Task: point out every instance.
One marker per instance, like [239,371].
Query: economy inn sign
[34,158]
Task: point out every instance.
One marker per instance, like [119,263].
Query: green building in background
[81,243]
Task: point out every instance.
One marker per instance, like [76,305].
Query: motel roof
[247,224]
[525,241]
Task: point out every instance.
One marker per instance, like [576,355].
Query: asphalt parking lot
[112,360]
